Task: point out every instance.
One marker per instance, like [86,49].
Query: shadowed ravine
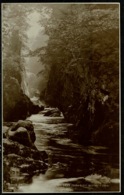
[61,104]
[72,167]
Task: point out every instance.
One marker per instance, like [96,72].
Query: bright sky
[35,27]
[34,41]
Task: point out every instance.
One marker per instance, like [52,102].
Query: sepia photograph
[61,97]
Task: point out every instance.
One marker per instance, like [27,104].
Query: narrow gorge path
[72,167]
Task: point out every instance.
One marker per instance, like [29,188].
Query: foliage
[13,33]
[83,56]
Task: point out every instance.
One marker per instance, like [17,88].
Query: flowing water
[72,167]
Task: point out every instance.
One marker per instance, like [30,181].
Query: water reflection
[72,167]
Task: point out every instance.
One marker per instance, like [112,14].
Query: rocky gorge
[39,155]
[21,158]
[61,100]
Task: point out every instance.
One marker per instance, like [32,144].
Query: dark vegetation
[16,105]
[81,68]
[83,56]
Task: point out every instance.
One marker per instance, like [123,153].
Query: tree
[83,56]
[14,27]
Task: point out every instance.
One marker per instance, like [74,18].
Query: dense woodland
[79,67]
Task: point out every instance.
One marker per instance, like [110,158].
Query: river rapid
[71,167]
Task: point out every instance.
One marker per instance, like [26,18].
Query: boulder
[48,113]
[21,159]
[27,130]
[23,123]
[20,163]
[20,135]
[13,147]
[53,112]
[8,124]
[10,147]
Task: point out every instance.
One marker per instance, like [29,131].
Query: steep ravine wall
[16,102]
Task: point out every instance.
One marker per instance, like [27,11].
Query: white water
[72,167]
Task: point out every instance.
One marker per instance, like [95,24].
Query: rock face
[22,106]
[53,112]
[20,155]
[22,132]
[95,115]
[35,109]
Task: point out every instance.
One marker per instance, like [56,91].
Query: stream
[72,167]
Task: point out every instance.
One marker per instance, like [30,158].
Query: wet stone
[21,160]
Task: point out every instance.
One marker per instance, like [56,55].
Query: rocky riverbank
[21,158]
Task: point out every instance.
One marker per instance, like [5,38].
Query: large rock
[26,124]
[11,147]
[21,135]
[23,132]
[21,159]
[15,101]
[53,112]
[21,163]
